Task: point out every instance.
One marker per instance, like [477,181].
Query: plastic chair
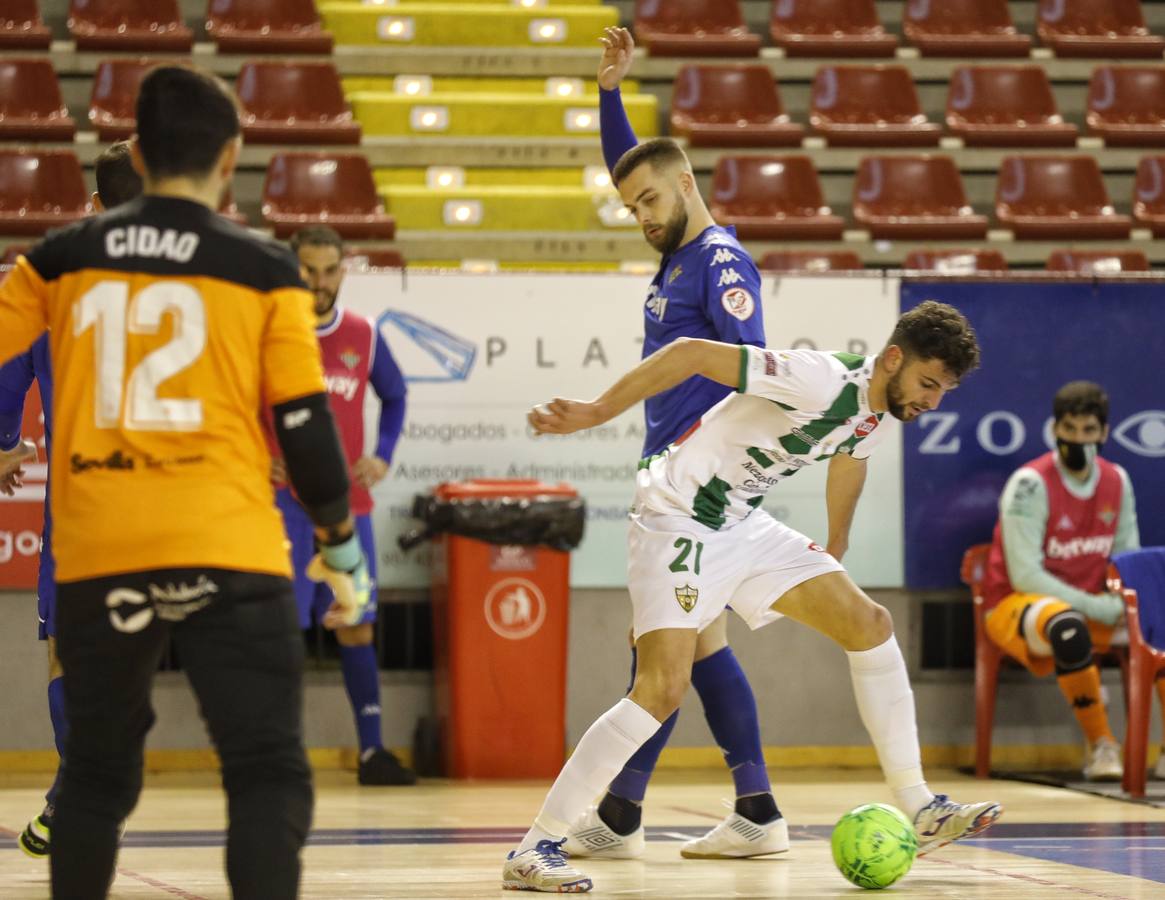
[694,28]
[914,198]
[1006,106]
[810,261]
[1097,28]
[869,106]
[267,26]
[294,103]
[151,25]
[772,198]
[1149,194]
[31,108]
[1126,105]
[21,27]
[39,190]
[988,657]
[963,28]
[1097,262]
[731,106]
[955,261]
[329,189]
[113,98]
[1056,197]
[830,28]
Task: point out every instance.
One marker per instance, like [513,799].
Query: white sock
[602,752]
[886,704]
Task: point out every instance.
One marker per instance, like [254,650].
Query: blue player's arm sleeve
[388,382]
[614,127]
[16,377]
[732,296]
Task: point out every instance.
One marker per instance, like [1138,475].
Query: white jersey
[792,408]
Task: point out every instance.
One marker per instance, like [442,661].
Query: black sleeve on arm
[316,466]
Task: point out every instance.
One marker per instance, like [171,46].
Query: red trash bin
[500,616]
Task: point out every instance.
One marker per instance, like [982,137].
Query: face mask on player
[1076,457]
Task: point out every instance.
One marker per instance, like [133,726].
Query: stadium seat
[12,251]
[514,207]
[328,189]
[266,26]
[810,261]
[21,27]
[39,190]
[1005,106]
[1097,262]
[151,25]
[1149,194]
[372,258]
[1126,105]
[830,28]
[772,198]
[113,99]
[31,108]
[1056,197]
[955,261]
[694,28]
[294,103]
[914,198]
[731,106]
[230,209]
[963,28]
[869,106]
[423,85]
[1104,28]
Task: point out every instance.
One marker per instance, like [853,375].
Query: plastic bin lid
[486,488]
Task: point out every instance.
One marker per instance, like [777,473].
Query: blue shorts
[313,597]
[46,589]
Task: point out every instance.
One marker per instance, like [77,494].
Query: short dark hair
[185,118]
[1081,398]
[317,236]
[934,330]
[660,152]
[117,181]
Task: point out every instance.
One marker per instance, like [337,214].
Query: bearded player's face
[918,385]
[319,267]
[659,206]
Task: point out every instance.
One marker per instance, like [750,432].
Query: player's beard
[325,301]
[895,399]
[669,240]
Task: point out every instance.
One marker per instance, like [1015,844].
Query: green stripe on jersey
[759,457]
[711,501]
[850,360]
[844,407]
[743,385]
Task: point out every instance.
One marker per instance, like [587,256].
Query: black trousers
[237,637]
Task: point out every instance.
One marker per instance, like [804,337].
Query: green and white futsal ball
[874,845]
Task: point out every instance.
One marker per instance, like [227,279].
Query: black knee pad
[1071,642]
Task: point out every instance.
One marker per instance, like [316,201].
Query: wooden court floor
[446,839]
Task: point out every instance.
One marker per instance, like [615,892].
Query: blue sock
[730,708]
[362,679]
[60,730]
[631,783]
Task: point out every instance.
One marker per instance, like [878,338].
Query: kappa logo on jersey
[728,277]
[686,597]
[675,273]
[866,427]
[1099,545]
[350,358]
[656,304]
[343,386]
[722,256]
[737,302]
[1065,523]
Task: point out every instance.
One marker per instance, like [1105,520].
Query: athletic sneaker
[943,821]
[543,869]
[1104,761]
[591,836]
[34,840]
[382,768]
[739,838]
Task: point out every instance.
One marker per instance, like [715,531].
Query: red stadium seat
[1097,262]
[869,106]
[810,261]
[1149,194]
[1006,106]
[963,28]
[830,28]
[294,103]
[31,108]
[39,190]
[694,28]
[1104,28]
[955,261]
[772,198]
[1126,105]
[267,26]
[1056,197]
[12,251]
[21,27]
[113,100]
[914,198]
[152,25]
[731,106]
[373,258]
[328,189]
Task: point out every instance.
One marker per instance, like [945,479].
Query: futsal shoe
[943,821]
[591,836]
[34,840]
[545,869]
[1104,761]
[381,767]
[739,838]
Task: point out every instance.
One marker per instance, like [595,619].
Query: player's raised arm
[614,128]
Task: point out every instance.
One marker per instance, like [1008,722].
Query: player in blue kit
[708,287]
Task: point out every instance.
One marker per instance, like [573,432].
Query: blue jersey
[709,288]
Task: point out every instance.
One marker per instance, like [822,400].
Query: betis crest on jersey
[350,358]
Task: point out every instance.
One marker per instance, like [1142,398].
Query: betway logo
[1100,545]
[344,386]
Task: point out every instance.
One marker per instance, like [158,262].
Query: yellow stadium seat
[467,24]
[524,4]
[594,178]
[490,208]
[425,85]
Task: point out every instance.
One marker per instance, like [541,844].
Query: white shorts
[683,576]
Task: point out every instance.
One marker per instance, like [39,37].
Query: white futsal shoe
[943,821]
[1104,762]
[591,836]
[739,838]
[544,868]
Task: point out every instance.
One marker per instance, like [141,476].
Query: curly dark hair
[1081,398]
[934,330]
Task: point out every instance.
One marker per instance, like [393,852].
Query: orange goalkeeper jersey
[169,329]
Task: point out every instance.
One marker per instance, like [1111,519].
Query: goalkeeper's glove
[343,568]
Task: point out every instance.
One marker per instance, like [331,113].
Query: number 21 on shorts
[680,563]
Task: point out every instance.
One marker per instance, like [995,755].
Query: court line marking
[160,885]
[1031,878]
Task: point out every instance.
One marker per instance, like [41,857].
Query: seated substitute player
[117,183]
[170,330]
[1061,517]
[355,356]
[707,287]
[699,541]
